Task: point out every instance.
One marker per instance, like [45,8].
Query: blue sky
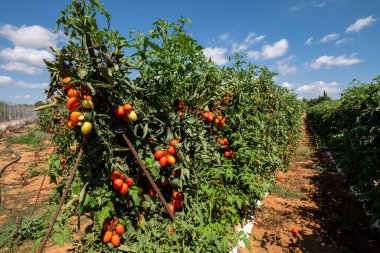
[314,45]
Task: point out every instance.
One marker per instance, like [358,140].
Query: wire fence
[13,116]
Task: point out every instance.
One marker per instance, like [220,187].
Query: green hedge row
[350,128]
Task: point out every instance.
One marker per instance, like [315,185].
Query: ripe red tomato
[159,153]
[177,195]
[119,112]
[170,159]
[117,184]
[174,142]
[129,181]
[119,229]
[106,225]
[177,203]
[171,150]
[72,103]
[115,240]
[181,106]
[124,189]
[171,208]
[66,83]
[72,93]
[295,231]
[151,192]
[115,175]
[227,154]
[163,161]
[107,236]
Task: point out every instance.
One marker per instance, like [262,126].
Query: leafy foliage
[350,128]
[262,122]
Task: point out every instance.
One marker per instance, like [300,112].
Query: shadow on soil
[344,227]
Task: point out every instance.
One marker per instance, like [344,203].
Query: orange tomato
[171,208]
[107,236]
[115,240]
[174,142]
[66,83]
[74,117]
[128,107]
[170,159]
[119,229]
[69,124]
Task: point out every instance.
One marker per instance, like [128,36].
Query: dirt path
[312,198]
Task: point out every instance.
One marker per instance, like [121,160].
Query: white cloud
[287,85]
[5,80]
[329,61]
[283,66]
[360,24]
[34,36]
[27,55]
[20,67]
[224,37]
[309,41]
[217,54]
[319,3]
[248,41]
[316,89]
[343,41]
[270,51]
[27,85]
[23,96]
[329,37]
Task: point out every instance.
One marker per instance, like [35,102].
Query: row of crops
[350,129]
[211,138]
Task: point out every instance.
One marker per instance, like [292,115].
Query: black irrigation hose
[18,157]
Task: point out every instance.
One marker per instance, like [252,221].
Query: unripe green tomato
[87,104]
[81,117]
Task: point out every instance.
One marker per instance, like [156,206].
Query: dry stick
[142,166]
[64,194]
[39,191]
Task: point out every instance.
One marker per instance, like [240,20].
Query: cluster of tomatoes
[166,157]
[126,112]
[177,202]
[210,117]
[228,153]
[113,230]
[120,182]
[78,99]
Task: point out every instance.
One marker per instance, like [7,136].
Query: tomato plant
[209,191]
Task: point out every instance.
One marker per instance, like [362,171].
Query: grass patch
[32,137]
[286,193]
[303,152]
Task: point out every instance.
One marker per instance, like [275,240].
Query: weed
[286,193]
